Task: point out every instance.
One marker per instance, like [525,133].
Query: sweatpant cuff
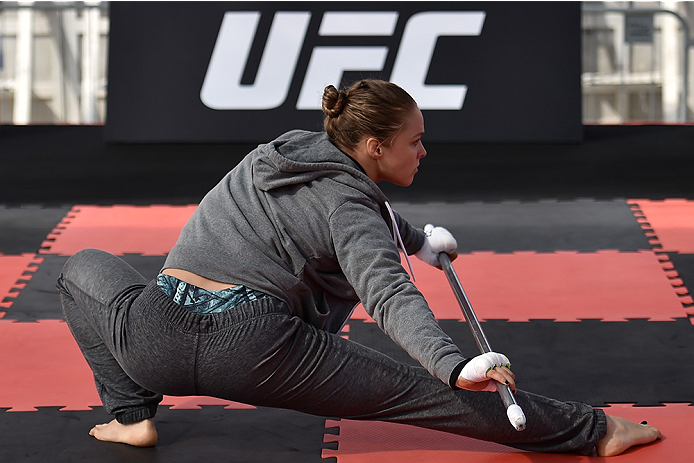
[136,415]
[601,420]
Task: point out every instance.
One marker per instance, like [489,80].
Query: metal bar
[513,410]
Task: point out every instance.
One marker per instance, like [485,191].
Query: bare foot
[140,434]
[622,434]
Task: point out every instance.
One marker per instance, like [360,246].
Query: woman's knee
[83,264]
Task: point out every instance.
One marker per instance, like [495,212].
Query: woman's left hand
[483,372]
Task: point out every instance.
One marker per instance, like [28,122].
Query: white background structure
[636,67]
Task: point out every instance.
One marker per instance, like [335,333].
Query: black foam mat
[39,300]
[579,225]
[589,361]
[684,265]
[209,435]
[23,228]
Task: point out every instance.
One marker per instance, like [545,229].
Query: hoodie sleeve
[371,262]
[412,238]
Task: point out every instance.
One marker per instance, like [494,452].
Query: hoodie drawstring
[398,239]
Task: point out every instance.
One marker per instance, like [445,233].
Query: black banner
[249,71]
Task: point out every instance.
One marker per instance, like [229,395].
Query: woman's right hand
[436,241]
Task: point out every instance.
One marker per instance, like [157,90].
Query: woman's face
[400,159]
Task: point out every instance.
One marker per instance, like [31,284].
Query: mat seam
[666,263]
[21,282]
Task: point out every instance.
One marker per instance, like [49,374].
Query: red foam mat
[120,229]
[672,222]
[43,367]
[361,441]
[563,286]
[12,269]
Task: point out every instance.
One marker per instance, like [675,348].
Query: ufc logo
[222,88]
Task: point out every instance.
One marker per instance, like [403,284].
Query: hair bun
[333,101]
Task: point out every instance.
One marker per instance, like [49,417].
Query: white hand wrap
[476,369]
[437,240]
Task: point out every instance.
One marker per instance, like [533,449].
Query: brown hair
[369,107]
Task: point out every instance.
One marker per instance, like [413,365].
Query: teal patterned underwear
[203,301]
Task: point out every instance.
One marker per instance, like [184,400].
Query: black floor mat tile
[209,435]
[545,226]
[684,265]
[589,361]
[39,298]
[24,228]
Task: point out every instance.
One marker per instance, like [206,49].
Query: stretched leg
[623,434]
[280,361]
[97,290]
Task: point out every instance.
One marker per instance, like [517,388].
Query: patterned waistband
[203,301]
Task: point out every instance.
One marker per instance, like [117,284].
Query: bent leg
[97,290]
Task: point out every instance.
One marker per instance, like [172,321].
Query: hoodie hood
[299,157]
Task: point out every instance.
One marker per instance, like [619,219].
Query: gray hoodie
[298,219]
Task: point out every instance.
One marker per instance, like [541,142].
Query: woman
[269,268]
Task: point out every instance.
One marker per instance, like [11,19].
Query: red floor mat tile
[563,286]
[43,367]
[13,269]
[672,222]
[147,230]
[362,441]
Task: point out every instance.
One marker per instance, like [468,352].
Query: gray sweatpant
[140,345]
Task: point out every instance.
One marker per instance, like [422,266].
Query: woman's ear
[373,148]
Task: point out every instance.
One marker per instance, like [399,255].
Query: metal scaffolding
[636,62]
[53,62]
